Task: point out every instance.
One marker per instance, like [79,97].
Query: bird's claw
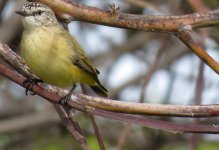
[64,100]
[29,83]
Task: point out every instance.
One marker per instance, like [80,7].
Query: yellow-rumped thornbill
[52,53]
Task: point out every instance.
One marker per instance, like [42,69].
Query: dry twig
[92,118]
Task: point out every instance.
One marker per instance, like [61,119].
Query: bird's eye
[39,12]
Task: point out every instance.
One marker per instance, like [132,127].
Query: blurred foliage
[212,3]
[203,145]
[39,138]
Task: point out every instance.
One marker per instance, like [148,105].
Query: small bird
[52,53]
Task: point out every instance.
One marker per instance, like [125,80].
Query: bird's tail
[100,90]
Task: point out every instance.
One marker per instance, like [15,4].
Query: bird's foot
[64,100]
[29,83]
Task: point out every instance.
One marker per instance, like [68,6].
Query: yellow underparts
[48,55]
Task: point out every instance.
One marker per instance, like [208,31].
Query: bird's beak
[22,13]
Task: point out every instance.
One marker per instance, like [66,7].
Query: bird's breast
[49,57]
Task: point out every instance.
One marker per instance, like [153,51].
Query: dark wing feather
[80,59]
[82,64]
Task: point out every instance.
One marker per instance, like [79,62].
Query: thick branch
[79,102]
[130,21]
[83,101]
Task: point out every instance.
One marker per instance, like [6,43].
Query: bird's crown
[36,15]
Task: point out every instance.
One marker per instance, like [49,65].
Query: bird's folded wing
[82,64]
[79,57]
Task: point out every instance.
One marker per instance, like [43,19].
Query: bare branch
[92,118]
[84,102]
[87,104]
[156,124]
[131,21]
[186,37]
[152,69]
[72,126]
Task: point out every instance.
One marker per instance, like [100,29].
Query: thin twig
[125,132]
[152,69]
[187,39]
[92,118]
[72,126]
[198,98]
[133,43]
[170,56]
[123,136]
[97,132]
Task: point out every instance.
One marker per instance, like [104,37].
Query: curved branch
[166,23]
[157,124]
[86,103]
[83,102]
[161,125]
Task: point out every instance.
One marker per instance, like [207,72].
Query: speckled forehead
[33,6]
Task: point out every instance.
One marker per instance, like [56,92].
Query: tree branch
[93,121]
[83,102]
[166,23]
[187,39]
[98,106]
[72,126]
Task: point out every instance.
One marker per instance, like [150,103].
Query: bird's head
[37,15]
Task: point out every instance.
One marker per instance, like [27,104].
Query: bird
[52,54]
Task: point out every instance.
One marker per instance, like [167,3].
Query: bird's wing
[80,59]
[83,64]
